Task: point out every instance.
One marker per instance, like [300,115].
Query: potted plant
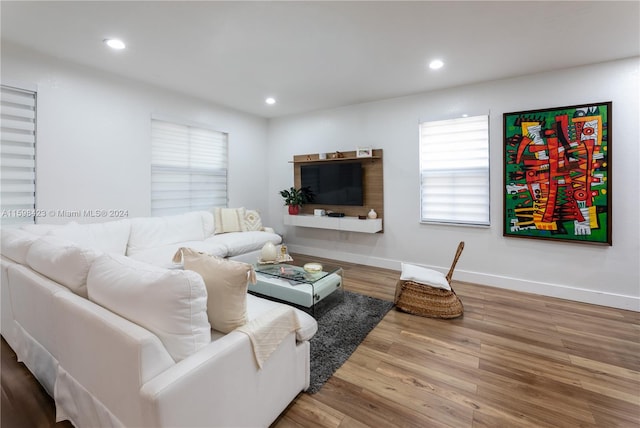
[295,198]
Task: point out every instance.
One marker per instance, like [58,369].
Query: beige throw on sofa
[269,330]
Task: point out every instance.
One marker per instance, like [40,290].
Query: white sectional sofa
[151,360]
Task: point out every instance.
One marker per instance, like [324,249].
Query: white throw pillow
[229,220]
[423,275]
[62,261]
[172,304]
[252,221]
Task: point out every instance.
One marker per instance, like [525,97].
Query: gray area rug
[342,326]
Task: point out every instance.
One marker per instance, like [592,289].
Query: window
[454,171]
[188,168]
[18,155]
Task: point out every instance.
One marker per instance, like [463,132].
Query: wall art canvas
[557,173]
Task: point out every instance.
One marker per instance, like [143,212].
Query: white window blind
[454,171]
[17,155]
[188,168]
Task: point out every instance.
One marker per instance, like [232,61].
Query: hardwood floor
[512,360]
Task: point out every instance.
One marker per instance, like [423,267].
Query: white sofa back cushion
[62,261]
[170,303]
[40,228]
[16,243]
[152,232]
[109,237]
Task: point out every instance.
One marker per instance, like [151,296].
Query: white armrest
[109,356]
[221,385]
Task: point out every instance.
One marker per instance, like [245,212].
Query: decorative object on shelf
[557,170]
[295,198]
[364,152]
[322,156]
[319,212]
[337,155]
[269,253]
[312,267]
[372,214]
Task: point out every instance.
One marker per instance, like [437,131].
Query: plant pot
[294,209]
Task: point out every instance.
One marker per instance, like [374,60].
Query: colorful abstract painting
[557,173]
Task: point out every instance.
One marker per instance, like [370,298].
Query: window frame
[189,170]
[14,214]
[453,218]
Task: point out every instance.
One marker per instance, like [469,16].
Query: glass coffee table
[293,284]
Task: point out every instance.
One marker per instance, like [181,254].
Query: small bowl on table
[312,267]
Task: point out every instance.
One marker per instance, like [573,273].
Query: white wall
[94,151]
[596,274]
[93,137]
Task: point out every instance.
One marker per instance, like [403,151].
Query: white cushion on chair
[423,275]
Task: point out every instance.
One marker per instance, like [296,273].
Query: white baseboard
[619,301]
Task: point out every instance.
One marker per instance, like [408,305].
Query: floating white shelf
[348,224]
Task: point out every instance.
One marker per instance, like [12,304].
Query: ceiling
[317,55]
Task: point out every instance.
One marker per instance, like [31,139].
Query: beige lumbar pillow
[227,284]
[229,220]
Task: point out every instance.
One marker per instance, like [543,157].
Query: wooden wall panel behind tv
[372,182]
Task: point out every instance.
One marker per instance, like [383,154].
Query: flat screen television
[334,183]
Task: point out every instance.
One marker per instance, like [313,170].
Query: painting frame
[557,174]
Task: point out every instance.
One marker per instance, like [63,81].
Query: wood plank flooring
[512,360]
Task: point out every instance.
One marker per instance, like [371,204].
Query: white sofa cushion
[109,237]
[40,229]
[227,283]
[163,256]
[153,232]
[170,303]
[62,261]
[244,242]
[16,243]
[423,275]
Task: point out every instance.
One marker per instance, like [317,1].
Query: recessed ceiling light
[114,43]
[270,101]
[436,64]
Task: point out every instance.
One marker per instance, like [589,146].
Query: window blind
[188,168]
[454,171]
[17,155]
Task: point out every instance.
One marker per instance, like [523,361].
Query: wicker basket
[427,301]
